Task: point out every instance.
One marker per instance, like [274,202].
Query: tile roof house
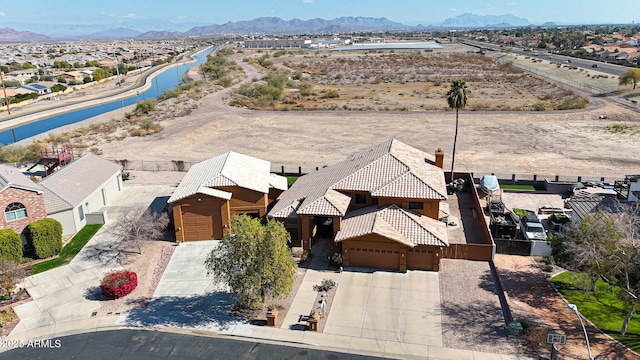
[214,190]
[80,188]
[22,200]
[381,205]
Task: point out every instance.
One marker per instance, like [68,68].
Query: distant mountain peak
[10,35]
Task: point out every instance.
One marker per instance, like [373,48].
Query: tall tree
[631,76]
[457,99]
[254,261]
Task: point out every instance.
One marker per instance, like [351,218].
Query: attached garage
[391,238]
[373,255]
[200,217]
[422,257]
[197,222]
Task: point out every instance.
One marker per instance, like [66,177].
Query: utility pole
[4,89]
[115,60]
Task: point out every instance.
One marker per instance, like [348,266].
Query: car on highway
[532,229]
[567,61]
[594,65]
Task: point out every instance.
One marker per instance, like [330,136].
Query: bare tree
[11,273]
[135,226]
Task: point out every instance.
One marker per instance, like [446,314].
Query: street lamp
[574,309]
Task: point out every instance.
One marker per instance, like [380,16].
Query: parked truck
[502,223]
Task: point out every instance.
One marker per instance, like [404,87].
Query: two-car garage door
[376,255]
[373,255]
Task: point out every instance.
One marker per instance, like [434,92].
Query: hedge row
[46,237]
[117,284]
[10,245]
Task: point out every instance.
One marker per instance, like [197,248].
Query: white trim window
[15,211]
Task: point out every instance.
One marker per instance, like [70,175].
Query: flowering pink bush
[117,284]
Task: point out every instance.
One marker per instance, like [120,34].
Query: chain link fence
[590,88]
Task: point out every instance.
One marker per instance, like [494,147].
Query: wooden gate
[477,252]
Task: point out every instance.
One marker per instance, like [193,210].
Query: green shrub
[46,237]
[145,106]
[336,259]
[10,245]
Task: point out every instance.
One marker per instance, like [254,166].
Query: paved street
[137,344]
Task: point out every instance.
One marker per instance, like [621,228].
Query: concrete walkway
[66,293]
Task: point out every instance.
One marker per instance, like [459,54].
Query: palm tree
[457,99]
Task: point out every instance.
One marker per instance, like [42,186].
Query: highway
[610,69]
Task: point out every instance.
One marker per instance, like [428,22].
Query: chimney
[440,158]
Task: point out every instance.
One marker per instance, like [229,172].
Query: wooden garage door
[373,257]
[420,258]
[197,222]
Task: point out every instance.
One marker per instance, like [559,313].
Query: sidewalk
[65,293]
[339,343]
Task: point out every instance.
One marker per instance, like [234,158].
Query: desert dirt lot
[571,142]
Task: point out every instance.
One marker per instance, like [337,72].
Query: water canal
[165,80]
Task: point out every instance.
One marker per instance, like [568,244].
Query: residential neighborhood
[361,189]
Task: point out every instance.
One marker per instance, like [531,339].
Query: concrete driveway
[387,306]
[187,298]
[62,294]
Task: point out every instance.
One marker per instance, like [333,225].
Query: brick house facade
[33,202]
[21,200]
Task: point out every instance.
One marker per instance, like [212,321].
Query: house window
[15,211]
[81,212]
[414,205]
[361,198]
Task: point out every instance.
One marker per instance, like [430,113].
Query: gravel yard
[471,313]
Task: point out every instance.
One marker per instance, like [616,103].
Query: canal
[165,80]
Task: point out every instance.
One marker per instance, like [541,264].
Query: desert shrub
[117,284]
[6,316]
[145,106]
[11,274]
[225,81]
[10,245]
[325,285]
[46,237]
[331,94]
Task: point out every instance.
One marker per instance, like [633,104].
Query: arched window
[15,211]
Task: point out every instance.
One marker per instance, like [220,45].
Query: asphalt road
[611,69]
[141,345]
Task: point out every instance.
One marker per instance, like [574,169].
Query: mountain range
[259,26]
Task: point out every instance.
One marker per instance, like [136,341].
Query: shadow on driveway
[208,310]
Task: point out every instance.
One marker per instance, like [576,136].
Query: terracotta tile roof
[389,169]
[228,169]
[396,224]
[72,184]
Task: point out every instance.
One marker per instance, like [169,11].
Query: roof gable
[389,169]
[12,177]
[228,169]
[396,224]
[74,182]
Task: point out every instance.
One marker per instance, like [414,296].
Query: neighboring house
[381,205]
[70,76]
[82,187]
[216,189]
[21,199]
[629,188]
[37,88]
[591,204]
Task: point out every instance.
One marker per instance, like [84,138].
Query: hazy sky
[410,12]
